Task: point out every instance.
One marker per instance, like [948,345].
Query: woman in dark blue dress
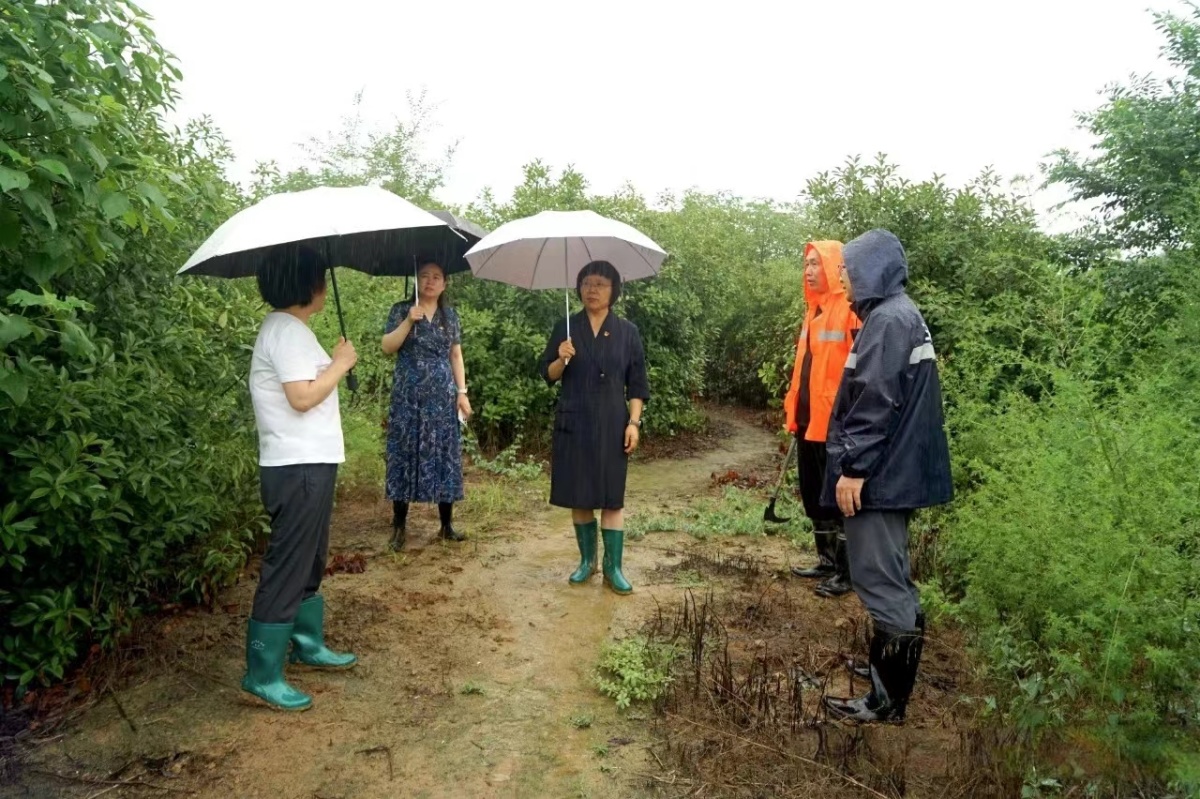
[598,421]
[429,396]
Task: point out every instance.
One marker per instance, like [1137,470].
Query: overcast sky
[752,97]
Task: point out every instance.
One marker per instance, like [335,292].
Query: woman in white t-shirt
[293,386]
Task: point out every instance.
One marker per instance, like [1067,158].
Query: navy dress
[589,464]
[424,441]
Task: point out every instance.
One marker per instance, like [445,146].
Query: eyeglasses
[588,285]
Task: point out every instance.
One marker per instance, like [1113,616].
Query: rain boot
[399,525]
[894,658]
[585,536]
[446,512]
[838,583]
[614,548]
[266,648]
[308,638]
[863,670]
[825,542]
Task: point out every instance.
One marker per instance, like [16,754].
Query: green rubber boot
[308,638]
[585,536]
[266,648]
[614,548]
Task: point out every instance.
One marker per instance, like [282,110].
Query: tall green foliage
[125,453]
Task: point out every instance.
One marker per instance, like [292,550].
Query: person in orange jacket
[821,352]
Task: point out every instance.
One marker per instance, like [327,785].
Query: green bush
[1077,556]
[635,670]
[126,442]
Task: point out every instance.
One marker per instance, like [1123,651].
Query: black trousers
[877,547]
[811,479]
[299,500]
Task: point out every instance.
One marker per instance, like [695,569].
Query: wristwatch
[462,391]
[636,422]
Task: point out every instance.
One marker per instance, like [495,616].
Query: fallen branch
[121,710]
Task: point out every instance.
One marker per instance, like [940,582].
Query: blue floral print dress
[424,440]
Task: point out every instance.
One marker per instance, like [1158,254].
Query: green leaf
[12,179]
[79,118]
[152,193]
[10,229]
[3,71]
[40,100]
[25,299]
[93,152]
[222,320]
[105,32]
[75,340]
[14,385]
[37,72]
[13,154]
[13,327]
[36,201]
[114,204]
[57,168]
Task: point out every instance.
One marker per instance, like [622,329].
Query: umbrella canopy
[361,227]
[468,229]
[548,250]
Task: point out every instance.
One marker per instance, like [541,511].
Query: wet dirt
[476,672]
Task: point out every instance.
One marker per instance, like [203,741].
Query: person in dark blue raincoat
[888,456]
[597,423]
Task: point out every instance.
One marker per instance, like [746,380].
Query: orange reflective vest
[821,350]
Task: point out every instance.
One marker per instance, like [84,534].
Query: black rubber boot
[399,525]
[446,512]
[838,583]
[825,567]
[863,670]
[895,657]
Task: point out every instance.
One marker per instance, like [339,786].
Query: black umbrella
[361,227]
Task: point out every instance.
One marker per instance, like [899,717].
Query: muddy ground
[477,663]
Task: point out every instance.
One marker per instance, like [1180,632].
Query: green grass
[363,470]
[736,512]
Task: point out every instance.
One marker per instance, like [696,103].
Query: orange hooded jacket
[828,332]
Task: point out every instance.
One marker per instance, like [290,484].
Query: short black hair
[290,274]
[600,269]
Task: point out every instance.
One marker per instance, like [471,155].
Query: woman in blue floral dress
[429,396]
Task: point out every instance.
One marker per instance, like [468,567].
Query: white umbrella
[548,250]
[363,227]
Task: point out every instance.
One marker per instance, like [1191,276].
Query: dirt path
[475,677]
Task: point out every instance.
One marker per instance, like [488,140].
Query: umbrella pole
[566,296]
[351,378]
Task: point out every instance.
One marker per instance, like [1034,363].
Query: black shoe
[826,567]
[399,535]
[448,533]
[895,656]
[835,586]
[860,669]
[839,583]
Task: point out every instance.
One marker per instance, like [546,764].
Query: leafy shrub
[635,670]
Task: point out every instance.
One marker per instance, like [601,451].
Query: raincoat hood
[877,268]
[830,253]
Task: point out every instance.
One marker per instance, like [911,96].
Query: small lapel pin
[606,334]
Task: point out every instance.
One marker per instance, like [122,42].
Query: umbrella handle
[567,297]
[351,378]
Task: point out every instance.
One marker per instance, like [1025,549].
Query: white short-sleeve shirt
[286,351]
